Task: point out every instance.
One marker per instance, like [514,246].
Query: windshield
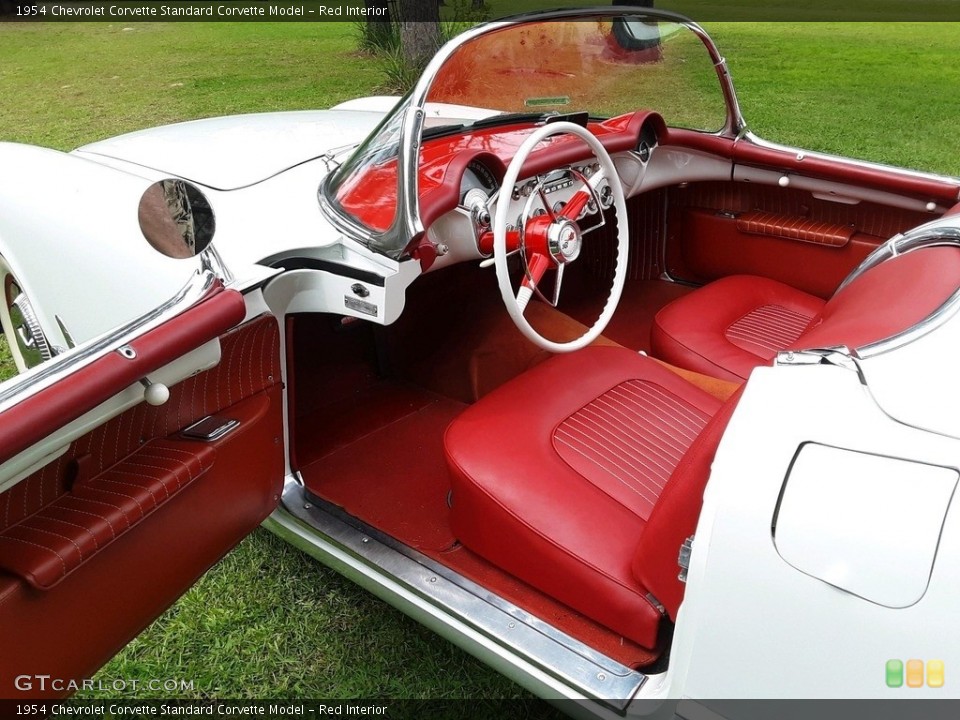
[517,72]
[604,67]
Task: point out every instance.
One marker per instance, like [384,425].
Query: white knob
[156,394]
[783,181]
[931,206]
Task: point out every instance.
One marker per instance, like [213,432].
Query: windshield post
[407,222]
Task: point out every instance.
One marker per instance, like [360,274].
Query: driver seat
[583,477]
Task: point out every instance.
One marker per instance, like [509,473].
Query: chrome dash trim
[26,385]
[318,528]
[948,181]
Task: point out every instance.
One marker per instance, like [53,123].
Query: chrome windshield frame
[407,224]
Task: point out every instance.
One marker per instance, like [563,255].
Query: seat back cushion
[886,299]
[674,517]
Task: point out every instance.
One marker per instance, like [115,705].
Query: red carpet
[394,477]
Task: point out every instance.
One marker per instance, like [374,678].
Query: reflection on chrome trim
[444,591]
[28,384]
[212,262]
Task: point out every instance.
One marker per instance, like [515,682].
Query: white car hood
[228,153]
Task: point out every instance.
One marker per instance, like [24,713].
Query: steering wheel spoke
[546,204]
[581,199]
[536,268]
[534,271]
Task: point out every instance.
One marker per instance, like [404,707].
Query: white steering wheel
[553,240]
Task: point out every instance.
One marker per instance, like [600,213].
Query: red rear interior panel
[887,299]
[717,229]
[98,543]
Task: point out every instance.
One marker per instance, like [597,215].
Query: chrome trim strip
[947,180]
[212,262]
[319,528]
[18,389]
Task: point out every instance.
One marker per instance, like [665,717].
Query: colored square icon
[914,673]
[935,673]
[894,673]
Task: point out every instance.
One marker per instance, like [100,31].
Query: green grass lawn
[7,368]
[267,621]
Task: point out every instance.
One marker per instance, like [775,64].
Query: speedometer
[477,176]
[486,178]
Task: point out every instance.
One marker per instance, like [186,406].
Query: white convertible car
[552,354]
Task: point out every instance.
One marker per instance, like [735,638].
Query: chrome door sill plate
[384,566]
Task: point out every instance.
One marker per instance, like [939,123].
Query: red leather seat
[732,325]
[727,328]
[583,477]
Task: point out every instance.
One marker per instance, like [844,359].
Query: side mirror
[176,218]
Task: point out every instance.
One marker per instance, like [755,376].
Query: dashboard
[465,231]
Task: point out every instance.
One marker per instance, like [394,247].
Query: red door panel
[717,229]
[101,541]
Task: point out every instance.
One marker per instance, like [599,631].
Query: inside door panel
[99,542]
[717,229]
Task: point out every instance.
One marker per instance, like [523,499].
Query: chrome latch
[658,606]
[839,356]
[683,560]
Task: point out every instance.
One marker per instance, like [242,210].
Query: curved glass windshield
[605,67]
[523,71]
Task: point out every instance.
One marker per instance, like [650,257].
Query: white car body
[762,616]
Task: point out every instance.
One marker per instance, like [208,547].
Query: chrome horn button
[564,241]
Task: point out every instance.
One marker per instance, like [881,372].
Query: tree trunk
[478,4]
[419,30]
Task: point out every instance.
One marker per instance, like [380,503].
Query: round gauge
[484,175]
[477,176]
[644,151]
[476,202]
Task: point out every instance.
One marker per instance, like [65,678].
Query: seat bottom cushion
[727,328]
[555,474]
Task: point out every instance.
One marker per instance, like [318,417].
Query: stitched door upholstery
[100,542]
